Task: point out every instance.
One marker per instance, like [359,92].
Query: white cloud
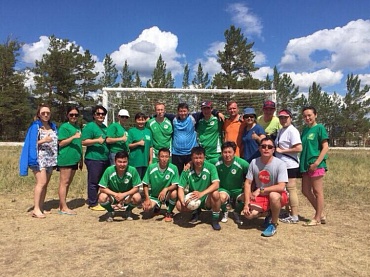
[324,77]
[260,58]
[340,48]
[242,17]
[142,53]
[34,51]
[262,72]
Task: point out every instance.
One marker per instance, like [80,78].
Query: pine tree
[14,98]
[236,61]
[127,76]
[185,78]
[110,73]
[286,92]
[160,77]
[201,80]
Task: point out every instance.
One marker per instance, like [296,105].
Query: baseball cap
[249,111]
[123,112]
[269,104]
[206,104]
[285,112]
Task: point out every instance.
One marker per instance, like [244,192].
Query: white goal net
[144,99]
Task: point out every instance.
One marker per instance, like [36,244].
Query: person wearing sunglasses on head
[270,177]
[39,153]
[69,156]
[94,136]
[252,135]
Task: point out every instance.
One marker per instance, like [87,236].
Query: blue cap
[249,111]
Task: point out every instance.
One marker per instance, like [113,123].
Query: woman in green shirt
[69,156]
[97,154]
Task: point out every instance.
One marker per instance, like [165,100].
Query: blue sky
[319,41]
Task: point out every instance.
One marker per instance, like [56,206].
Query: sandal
[39,216]
[323,220]
[312,222]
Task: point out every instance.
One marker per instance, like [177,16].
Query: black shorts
[294,173]
[73,167]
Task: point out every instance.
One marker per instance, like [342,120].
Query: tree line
[65,76]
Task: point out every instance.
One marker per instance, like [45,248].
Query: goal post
[144,99]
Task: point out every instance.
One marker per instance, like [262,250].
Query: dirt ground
[86,245]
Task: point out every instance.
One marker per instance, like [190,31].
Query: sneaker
[289,219]
[237,219]
[110,217]
[194,216]
[129,216]
[156,210]
[269,231]
[168,217]
[216,226]
[97,208]
[225,217]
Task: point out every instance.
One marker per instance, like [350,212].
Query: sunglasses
[73,115]
[248,116]
[45,113]
[266,146]
[100,114]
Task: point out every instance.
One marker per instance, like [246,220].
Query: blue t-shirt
[250,146]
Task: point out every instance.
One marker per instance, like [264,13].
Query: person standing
[288,146]
[253,133]
[209,132]
[140,144]
[269,122]
[117,135]
[233,127]
[97,154]
[313,164]
[69,157]
[161,129]
[39,153]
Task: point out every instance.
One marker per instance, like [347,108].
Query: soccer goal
[144,99]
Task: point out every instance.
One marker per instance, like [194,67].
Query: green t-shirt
[209,136]
[127,181]
[97,151]
[233,176]
[158,180]
[139,156]
[199,182]
[312,139]
[69,154]
[116,130]
[272,127]
[161,134]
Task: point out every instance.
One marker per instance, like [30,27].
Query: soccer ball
[192,204]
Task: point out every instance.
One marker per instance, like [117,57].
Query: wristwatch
[262,189]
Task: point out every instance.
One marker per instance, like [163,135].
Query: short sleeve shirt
[287,138]
[116,183]
[232,176]
[139,156]
[271,127]
[266,175]
[69,154]
[209,135]
[116,130]
[97,151]
[161,133]
[200,182]
[158,179]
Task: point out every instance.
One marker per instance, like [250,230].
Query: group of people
[243,163]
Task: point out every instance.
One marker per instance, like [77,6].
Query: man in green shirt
[162,177]
[117,135]
[119,186]
[232,171]
[209,132]
[203,183]
[161,128]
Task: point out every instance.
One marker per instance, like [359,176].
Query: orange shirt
[233,131]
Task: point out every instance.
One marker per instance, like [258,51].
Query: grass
[346,180]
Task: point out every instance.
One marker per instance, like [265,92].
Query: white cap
[123,112]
